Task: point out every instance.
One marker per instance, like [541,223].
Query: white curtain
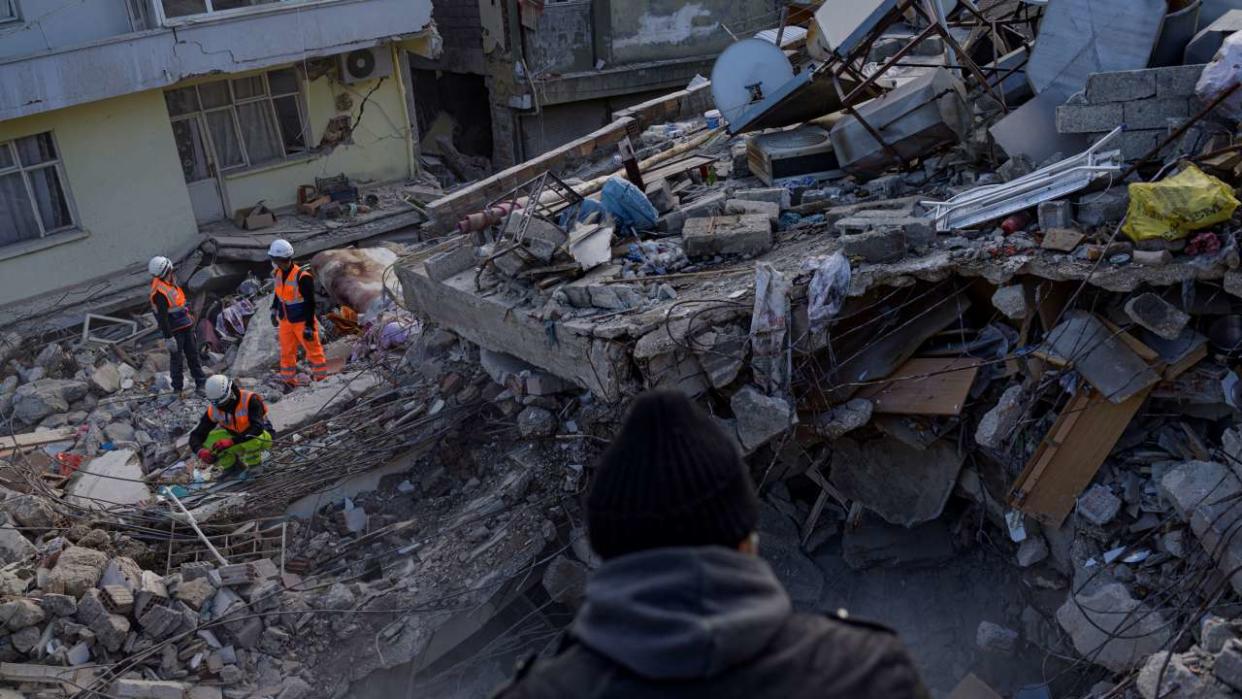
[17,221]
[259,132]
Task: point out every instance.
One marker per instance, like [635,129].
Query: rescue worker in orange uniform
[293,311]
[234,429]
[176,324]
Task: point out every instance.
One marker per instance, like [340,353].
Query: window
[33,201]
[8,11]
[244,121]
[187,8]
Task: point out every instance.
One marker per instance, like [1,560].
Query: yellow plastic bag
[1174,206]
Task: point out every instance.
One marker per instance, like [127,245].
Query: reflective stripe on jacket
[238,421]
[179,317]
[292,305]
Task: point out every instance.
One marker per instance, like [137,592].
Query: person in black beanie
[683,605]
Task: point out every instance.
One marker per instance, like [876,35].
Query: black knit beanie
[671,477]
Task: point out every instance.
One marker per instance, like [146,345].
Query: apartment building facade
[126,124]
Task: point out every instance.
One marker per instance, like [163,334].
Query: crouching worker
[683,606]
[234,429]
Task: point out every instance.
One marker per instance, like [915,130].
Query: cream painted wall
[379,152]
[126,186]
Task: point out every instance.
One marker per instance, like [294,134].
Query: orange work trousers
[290,340]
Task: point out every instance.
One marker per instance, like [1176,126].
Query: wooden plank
[9,445]
[1068,457]
[925,386]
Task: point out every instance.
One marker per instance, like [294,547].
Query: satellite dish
[746,73]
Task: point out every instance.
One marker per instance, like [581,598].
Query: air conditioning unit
[366,64]
[806,150]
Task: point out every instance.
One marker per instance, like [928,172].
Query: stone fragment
[195,592]
[774,195]
[110,629]
[149,689]
[1098,505]
[759,417]
[76,571]
[999,422]
[34,401]
[1203,493]
[106,379]
[1228,666]
[905,485]
[30,511]
[24,641]
[1112,629]
[1215,632]
[1157,315]
[21,613]
[59,605]
[535,422]
[1120,86]
[294,688]
[1176,680]
[996,638]
[844,418]
[1011,301]
[1032,550]
[14,546]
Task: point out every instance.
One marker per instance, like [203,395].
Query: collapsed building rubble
[955,316]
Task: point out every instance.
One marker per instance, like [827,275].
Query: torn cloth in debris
[828,288]
[768,329]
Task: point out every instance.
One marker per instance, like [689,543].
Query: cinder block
[776,195]
[876,245]
[1121,86]
[1135,144]
[1155,114]
[747,234]
[1177,81]
[1091,118]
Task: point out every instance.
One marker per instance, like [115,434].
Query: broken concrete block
[876,245]
[1176,679]
[903,484]
[1032,550]
[710,205]
[745,235]
[106,379]
[1177,81]
[745,206]
[996,638]
[772,195]
[1098,505]
[443,265]
[76,571]
[999,422]
[1157,315]
[1121,86]
[759,417]
[59,605]
[36,400]
[1100,208]
[1135,144]
[149,689]
[260,347]
[565,581]
[111,479]
[110,629]
[1155,114]
[671,223]
[1011,301]
[322,398]
[536,422]
[661,196]
[1228,666]
[195,592]
[1088,118]
[844,418]
[30,511]
[1202,493]
[1055,214]
[21,613]
[1112,629]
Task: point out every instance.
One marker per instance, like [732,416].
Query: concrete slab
[1081,37]
[320,399]
[112,479]
[904,485]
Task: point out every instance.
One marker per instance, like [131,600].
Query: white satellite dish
[748,72]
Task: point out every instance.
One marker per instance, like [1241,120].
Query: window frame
[15,12]
[57,165]
[273,122]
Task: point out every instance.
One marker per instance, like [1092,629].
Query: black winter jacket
[712,622]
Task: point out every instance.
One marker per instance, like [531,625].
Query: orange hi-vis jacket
[238,421]
[179,317]
[292,305]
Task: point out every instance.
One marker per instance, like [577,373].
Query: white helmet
[159,266]
[218,388]
[280,249]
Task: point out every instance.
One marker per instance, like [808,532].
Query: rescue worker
[293,311]
[683,606]
[176,324]
[235,427]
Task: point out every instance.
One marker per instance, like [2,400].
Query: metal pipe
[194,525]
